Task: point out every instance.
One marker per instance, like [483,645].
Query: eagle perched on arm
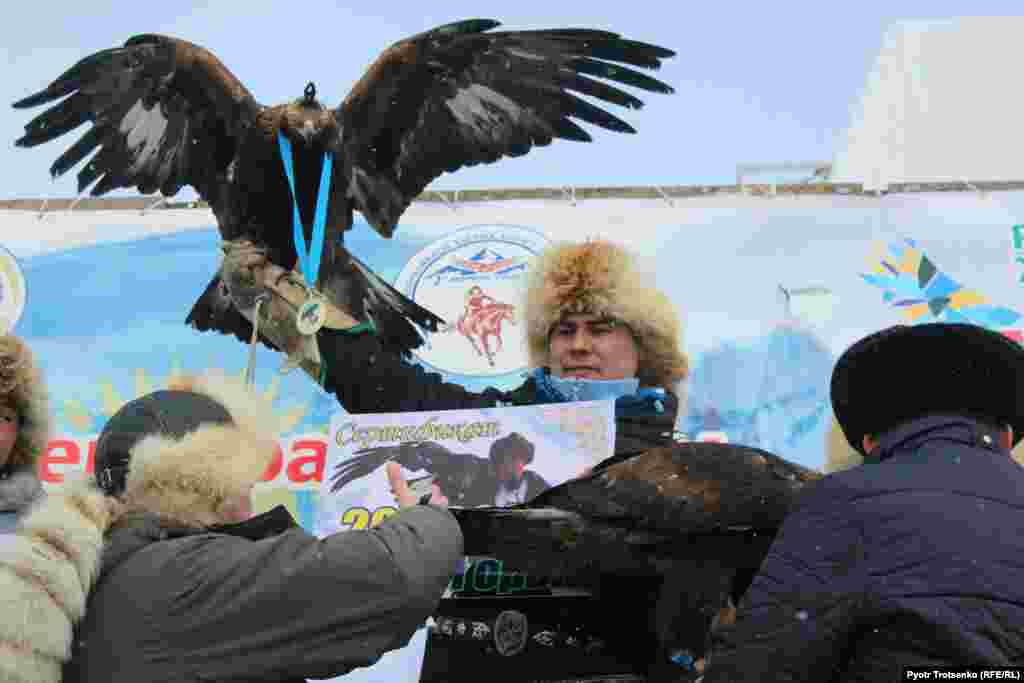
[166,113]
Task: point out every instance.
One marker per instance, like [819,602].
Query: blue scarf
[630,399]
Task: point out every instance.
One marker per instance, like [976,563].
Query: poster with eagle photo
[485,457]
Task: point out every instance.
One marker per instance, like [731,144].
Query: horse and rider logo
[474,279]
[481,322]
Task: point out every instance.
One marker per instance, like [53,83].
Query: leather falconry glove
[270,297]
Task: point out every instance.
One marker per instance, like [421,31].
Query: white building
[943,103]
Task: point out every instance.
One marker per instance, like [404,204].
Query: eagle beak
[308,132]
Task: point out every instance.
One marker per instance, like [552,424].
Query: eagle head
[307,121]
[308,99]
[309,95]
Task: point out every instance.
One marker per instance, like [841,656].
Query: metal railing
[571,194]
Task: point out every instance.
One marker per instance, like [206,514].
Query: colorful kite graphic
[911,282]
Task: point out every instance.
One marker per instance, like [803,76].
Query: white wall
[942,103]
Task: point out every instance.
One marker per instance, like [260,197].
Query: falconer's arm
[366,377]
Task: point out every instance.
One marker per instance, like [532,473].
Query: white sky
[755,82]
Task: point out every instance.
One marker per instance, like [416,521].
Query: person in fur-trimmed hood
[24,429]
[596,327]
[908,553]
[155,570]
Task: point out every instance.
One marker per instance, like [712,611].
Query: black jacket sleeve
[535,485]
[294,606]
[796,620]
[366,378]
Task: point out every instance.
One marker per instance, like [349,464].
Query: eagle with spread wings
[166,113]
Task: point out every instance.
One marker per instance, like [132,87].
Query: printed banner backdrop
[12,291]
[771,290]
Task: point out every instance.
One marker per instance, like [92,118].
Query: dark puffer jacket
[257,601]
[913,560]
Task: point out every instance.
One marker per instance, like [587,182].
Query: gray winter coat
[258,601]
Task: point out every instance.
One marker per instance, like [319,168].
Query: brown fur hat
[23,388]
[47,569]
[597,277]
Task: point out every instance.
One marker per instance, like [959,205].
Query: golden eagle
[687,525]
[167,113]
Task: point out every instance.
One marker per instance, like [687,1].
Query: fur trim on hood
[601,278]
[48,567]
[23,387]
[46,571]
[189,480]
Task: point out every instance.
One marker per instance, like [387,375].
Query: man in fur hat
[515,484]
[24,429]
[157,571]
[596,329]
[911,557]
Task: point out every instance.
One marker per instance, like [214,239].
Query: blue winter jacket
[914,560]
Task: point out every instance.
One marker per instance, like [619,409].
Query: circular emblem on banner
[474,279]
[510,633]
[12,291]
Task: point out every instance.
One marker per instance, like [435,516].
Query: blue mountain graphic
[511,269]
[449,270]
[487,255]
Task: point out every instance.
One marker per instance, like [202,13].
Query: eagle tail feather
[379,200]
[395,316]
[213,310]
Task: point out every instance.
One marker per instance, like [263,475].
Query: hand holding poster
[492,456]
[486,457]
[496,456]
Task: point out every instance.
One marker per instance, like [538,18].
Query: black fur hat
[511,446]
[905,372]
[168,413]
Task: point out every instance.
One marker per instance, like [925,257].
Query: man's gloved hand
[239,272]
